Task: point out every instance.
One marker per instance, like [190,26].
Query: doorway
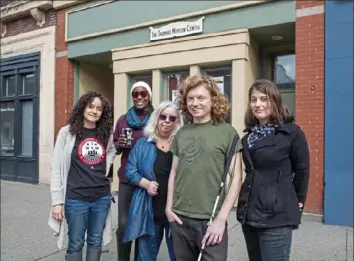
[19,118]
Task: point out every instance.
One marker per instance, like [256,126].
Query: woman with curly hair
[199,152]
[80,189]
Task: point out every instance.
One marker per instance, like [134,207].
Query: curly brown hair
[104,125]
[220,104]
[280,111]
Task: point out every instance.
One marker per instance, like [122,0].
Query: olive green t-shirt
[202,150]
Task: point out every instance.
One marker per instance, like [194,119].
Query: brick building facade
[64,75]
[27,93]
[309,93]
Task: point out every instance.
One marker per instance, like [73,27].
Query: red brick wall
[64,76]
[28,23]
[303,3]
[310,97]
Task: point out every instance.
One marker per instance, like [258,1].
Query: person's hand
[171,216]
[122,141]
[301,206]
[214,232]
[58,212]
[152,188]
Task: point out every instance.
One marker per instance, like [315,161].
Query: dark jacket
[277,175]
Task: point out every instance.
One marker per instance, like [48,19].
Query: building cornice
[60,4]
[18,9]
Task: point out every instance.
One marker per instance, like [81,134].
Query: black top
[277,177]
[87,179]
[162,168]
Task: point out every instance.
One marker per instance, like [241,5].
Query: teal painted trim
[76,81]
[126,13]
[272,13]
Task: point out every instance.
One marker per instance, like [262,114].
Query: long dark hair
[280,111]
[104,125]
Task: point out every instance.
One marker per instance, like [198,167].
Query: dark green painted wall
[272,13]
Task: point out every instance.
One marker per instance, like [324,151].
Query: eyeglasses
[136,94]
[164,117]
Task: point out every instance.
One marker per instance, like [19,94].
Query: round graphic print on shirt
[91,151]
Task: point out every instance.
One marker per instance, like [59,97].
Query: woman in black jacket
[276,158]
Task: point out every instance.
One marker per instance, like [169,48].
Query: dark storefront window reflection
[223,78]
[7,116]
[171,83]
[8,88]
[284,77]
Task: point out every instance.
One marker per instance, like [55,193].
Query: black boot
[93,254]
[74,257]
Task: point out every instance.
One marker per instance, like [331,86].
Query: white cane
[223,178]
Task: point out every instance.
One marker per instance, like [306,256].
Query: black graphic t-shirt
[87,179]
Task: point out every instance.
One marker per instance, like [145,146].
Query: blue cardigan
[140,164]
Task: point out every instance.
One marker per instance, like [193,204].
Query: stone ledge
[18,9]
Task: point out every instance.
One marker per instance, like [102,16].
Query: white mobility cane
[223,178]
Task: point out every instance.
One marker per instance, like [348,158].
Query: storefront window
[27,124]
[8,88]
[28,84]
[170,84]
[145,78]
[7,114]
[222,75]
[284,77]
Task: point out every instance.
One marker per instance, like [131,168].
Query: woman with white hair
[148,168]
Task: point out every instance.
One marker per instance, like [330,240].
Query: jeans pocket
[75,207]
[102,204]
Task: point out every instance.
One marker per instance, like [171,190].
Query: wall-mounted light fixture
[277,37]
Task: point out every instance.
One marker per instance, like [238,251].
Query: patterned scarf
[259,132]
[134,121]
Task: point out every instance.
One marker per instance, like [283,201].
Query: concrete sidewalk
[25,235]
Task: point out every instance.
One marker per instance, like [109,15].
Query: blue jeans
[82,217]
[149,245]
[268,244]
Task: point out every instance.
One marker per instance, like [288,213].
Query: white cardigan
[59,174]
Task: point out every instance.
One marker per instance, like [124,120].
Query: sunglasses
[164,117]
[142,94]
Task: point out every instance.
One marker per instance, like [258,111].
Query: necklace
[162,144]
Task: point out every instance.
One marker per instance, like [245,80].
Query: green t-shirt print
[202,150]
